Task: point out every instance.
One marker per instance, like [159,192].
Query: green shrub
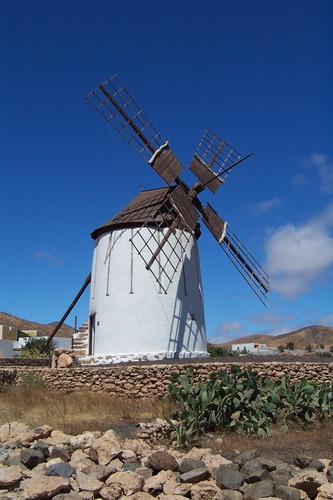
[36,347]
[22,335]
[216,351]
[243,402]
[325,354]
[31,380]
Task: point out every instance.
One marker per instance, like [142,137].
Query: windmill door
[92,325]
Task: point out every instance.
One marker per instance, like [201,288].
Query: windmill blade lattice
[239,255]
[163,251]
[213,160]
[113,101]
[246,264]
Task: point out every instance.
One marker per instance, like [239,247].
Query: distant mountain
[310,335]
[64,328]
[24,324]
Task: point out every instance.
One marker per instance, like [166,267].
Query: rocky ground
[46,463]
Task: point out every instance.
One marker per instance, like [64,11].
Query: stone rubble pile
[155,431]
[45,463]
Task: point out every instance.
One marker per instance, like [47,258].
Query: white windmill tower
[146,299]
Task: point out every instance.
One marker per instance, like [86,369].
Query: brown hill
[310,335]
[24,324]
[64,328]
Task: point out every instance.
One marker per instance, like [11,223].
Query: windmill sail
[213,160]
[162,251]
[113,101]
[240,256]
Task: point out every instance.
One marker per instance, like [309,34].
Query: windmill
[146,297]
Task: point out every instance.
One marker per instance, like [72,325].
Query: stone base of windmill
[107,359]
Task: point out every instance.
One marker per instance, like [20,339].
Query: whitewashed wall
[132,313]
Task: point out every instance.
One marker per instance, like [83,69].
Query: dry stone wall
[151,380]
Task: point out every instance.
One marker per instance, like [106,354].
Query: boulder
[74,495]
[305,462]
[107,447]
[260,489]
[10,495]
[64,361]
[288,493]
[325,492]
[60,469]
[213,462]
[17,433]
[140,447]
[31,457]
[102,472]
[60,452]
[9,476]
[42,446]
[254,472]
[190,464]
[145,472]
[162,460]
[88,483]
[142,495]
[228,495]
[270,464]
[330,474]
[154,485]
[43,486]
[59,438]
[171,497]
[228,478]
[173,487]
[204,490]
[308,480]
[130,482]
[84,440]
[112,492]
[195,475]
[246,456]
[281,477]
[79,460]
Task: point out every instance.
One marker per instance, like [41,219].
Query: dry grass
[76,412]
[81,411]
[315,442]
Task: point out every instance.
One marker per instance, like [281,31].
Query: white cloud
[228,330]
[270,318]
[326,320]
[267,205]
[297,256]
[50,256]
[320,165]
[230,327]
[324,170]
[299,180]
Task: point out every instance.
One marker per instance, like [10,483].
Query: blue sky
[257,73]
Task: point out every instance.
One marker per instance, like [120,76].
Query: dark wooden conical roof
[138,212]
[161,206]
